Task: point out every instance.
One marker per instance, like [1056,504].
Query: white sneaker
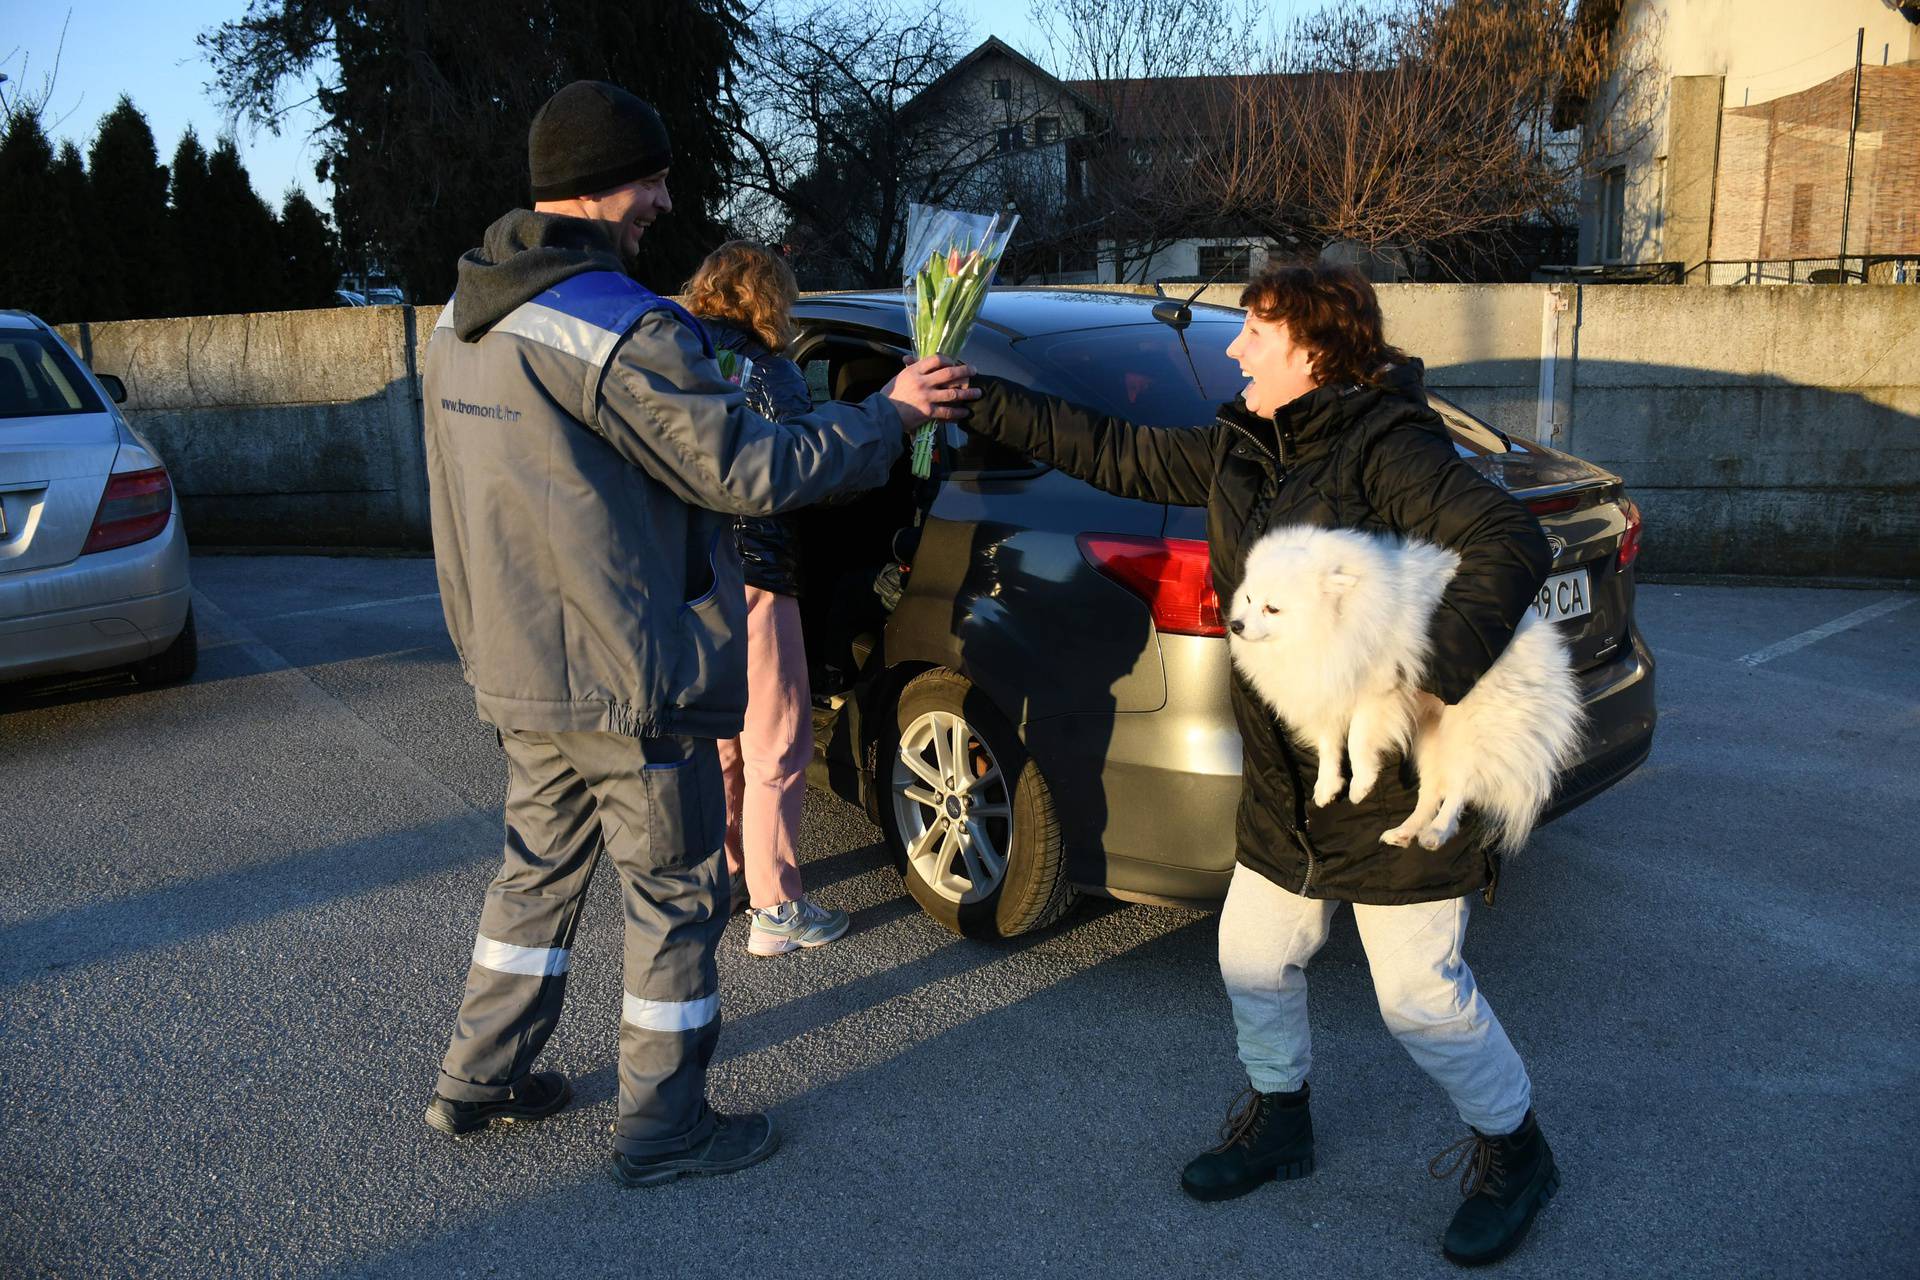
[792,925]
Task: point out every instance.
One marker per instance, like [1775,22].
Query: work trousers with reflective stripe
[655,806]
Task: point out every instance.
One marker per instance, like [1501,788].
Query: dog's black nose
[1236,626]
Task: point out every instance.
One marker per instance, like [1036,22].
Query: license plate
[1564,595]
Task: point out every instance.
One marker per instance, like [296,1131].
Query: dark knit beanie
[591,136]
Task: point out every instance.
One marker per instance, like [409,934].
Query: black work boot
[535,1097]
[735,1143]
[1505,1181]
[1267,1137]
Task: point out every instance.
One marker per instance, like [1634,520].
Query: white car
[93,561]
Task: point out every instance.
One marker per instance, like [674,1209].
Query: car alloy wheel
[953,807]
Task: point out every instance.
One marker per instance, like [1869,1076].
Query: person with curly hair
[1334,430]
[744,294]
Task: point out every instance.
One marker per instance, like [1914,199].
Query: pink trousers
[766,766]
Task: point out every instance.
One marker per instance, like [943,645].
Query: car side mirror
[113,387]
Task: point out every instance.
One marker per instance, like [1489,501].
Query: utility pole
[1853,130]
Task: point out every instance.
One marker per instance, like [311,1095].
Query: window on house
[1046,129]
[1011,138]
[1000,90]
[1227,261]
[1613,213]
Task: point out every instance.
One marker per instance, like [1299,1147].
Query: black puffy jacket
[776,389]
[1373,458]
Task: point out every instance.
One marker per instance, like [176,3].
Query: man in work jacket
[586,457]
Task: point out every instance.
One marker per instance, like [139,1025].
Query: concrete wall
[1763,431]
[288,428]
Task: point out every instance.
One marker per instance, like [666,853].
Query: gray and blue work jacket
[585,457]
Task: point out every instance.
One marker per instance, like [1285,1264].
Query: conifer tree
[79,282]
[142,275]
[427,104]
[33,274]
[190,228]
[246,270]
[309,254]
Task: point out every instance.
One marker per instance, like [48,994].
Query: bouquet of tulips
[951,258]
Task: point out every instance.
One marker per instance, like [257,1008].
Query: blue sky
[146,49]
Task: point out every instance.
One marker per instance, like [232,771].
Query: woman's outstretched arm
[1157,464]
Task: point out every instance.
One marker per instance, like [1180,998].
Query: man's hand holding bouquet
[951,259]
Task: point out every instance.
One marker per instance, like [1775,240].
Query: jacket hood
[524,254]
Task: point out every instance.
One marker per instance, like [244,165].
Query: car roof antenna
[1179,315]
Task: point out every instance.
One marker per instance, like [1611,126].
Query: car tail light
[1630,540]
[1173,575]
[135,507]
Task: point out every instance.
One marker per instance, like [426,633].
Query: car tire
[176,662]
[1003,871]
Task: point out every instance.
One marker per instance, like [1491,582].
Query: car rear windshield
[1140,372]
[38,379]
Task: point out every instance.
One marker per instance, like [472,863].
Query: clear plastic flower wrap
[734,367]
[951,259]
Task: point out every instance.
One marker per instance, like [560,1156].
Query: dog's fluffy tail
[1525,726]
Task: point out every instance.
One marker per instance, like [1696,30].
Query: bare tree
[34,99]
[835,137]
[1160,74]
[1426,124]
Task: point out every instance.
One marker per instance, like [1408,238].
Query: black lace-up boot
[1267,1137]
[1505,1180]
[535,1097]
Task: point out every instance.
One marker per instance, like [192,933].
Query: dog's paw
[1326,793]
[1402,836]
[1362,786]
[1435,836]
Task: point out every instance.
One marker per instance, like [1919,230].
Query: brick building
[1734,157]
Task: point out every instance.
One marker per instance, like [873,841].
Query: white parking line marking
[344,608]
[1794,643]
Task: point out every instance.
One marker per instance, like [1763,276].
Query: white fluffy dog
[1331,628]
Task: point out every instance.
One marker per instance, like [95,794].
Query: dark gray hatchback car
[1038,706]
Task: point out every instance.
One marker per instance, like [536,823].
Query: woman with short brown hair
[744,295]
[1334,430]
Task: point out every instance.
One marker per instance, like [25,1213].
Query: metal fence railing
[1853,269]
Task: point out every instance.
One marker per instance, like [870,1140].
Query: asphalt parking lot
[236,916]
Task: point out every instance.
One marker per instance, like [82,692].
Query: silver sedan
[93,561]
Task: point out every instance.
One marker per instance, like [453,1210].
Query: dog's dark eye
[1271,609]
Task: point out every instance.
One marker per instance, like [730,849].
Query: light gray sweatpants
[1426,992]
[655,805]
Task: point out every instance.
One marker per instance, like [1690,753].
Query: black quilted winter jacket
[1373,458]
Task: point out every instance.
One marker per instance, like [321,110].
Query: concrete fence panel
[1766,431]
[287,428]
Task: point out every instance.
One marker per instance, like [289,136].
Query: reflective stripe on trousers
[655,806]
